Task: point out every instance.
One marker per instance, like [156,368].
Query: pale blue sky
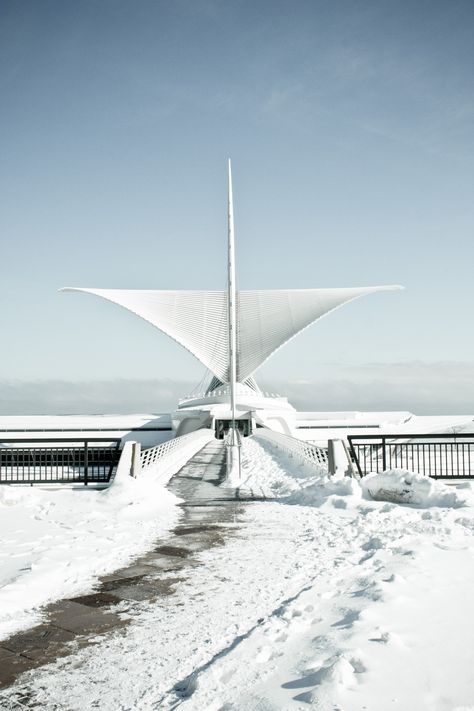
[351,130]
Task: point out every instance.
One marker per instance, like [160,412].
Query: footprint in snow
[336,670]
[444,547]
[387,638]
[366,557]
[371,592]
[365,510]
[339,503]
[276,632]
[348,620]
[466,522]
[186,688]
[394,578]
[290,614]
[264,655]
[373,544]
[358,664]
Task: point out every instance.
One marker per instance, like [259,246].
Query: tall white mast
[231,299]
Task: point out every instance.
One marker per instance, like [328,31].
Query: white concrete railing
[309,453]
[167,458]
[125,465]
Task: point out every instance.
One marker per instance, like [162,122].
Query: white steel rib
[269,319]
[266,320]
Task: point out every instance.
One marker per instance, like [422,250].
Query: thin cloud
[90,397]
[423,388]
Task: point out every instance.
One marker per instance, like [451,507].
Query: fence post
[384,455]
[86,462]
[136,463]
[350,469]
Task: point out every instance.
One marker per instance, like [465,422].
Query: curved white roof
[266,319]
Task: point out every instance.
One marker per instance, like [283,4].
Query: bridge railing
[305,451]
[439,456]
[168,457]
[49,461]
[224,392]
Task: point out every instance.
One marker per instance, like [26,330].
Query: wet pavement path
[209,510]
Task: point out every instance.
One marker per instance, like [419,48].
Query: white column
[231,299]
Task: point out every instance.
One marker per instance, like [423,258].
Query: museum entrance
[222,427]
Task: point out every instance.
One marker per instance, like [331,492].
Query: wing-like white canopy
[269,319]
[195,319]
[266,319]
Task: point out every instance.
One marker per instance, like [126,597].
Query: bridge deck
[210,513]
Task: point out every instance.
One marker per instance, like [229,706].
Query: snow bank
[346,604]
[56,543]
[325,489]
[278,475]
[405,487]
[275,474]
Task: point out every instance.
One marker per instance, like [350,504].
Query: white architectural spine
[232,321]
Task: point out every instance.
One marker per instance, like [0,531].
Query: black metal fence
[49,461]
[440,456]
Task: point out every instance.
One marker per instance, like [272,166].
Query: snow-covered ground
[321,598]
[56,542]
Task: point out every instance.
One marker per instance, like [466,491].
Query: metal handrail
[438,455]
[52,461]
[59,442]
[409,436]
